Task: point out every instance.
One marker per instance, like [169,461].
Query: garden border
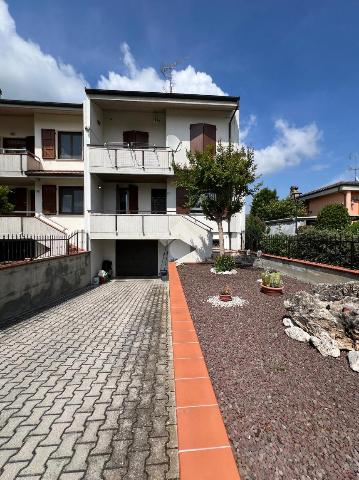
[203,445]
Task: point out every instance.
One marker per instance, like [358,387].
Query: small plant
[224,263]
[226,290]
[266,278]
[271,279]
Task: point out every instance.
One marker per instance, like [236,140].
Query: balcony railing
[127,159]
[17,162]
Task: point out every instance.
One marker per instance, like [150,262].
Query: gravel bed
[290,413]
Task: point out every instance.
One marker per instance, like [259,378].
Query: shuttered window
[202,135]
[70,145]
[49,199]
[181,199]
[48,144]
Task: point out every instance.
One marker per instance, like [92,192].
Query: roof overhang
[24,107]
[344,187]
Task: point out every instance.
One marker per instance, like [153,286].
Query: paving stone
[12,470]
[37,464]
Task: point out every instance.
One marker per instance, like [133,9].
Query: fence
[321,247]
[14,248]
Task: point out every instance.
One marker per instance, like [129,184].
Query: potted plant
[272,283]
[226,294]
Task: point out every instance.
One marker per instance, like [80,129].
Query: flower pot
[225,298]
[272,291]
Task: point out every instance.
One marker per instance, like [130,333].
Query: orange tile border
[204,449]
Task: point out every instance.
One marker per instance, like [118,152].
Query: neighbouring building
[106,166]
[346,193]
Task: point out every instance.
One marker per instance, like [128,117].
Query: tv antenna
[354,157]
[167,72]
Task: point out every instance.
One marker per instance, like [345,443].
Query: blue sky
[295,65]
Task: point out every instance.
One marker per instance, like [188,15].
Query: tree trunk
[221,237]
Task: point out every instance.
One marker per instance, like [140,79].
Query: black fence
[14,248]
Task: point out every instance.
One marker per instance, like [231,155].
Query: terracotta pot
[272,291]
[225,298]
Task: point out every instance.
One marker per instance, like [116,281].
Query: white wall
[116,122]
[60,123]
[102,250]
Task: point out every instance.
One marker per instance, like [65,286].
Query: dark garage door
[136,258]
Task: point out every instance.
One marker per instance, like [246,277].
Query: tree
[5,205]
[333,217]
[283,208]
[261,200]
[220,181]
[255,229]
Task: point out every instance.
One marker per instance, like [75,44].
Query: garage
[136,258]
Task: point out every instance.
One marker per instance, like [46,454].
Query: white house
[106,166]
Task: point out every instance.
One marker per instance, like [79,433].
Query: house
[41,160]
[346,193]
[106,166]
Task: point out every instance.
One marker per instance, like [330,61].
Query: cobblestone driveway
[86,389]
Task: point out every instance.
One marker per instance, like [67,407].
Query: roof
[55,173]
[184,96]
[35,103]
[337,185]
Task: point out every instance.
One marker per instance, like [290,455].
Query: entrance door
[136,258]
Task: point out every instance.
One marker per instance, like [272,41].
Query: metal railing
[18,160]
[120,156]
[15,248]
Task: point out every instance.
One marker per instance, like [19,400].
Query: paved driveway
[86,389]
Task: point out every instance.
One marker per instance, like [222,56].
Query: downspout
[229,142]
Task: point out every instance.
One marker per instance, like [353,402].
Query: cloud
[319,167]
[26,72]
[246,127]
[187,80]
[291,146]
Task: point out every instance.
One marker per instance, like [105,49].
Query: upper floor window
[71,200]
[70,145]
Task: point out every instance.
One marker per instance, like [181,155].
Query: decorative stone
[297,334]
[325,345]
[227,272]
[287,322]
[235,302]
[353,358]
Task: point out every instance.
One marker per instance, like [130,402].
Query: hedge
[333,248]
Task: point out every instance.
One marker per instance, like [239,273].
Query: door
[136,258]
[136,139]
[158,200]
[18,198]
[122,200]
[11,144]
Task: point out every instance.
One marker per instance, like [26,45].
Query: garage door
[136,258]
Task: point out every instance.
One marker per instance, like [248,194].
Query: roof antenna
[167,72]
[354,158]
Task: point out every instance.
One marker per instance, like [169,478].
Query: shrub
[5,205]
[333,217]
[224,263]
[255,229]
[354,228]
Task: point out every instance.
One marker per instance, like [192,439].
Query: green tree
[219,181]
[261,199]
[5,205]
[283,208]
[255,229]
[333,217]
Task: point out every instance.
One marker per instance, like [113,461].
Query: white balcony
[118,159]
[16,162]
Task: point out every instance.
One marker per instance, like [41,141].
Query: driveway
[86,388]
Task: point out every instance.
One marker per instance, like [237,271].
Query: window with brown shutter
[202,135]
[48,144]
[181,199]
[49,199]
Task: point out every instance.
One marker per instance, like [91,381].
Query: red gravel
[290,413]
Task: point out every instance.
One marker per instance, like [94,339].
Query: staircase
[194,233]
[38,225]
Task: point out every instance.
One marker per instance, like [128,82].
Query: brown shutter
[196,136]
[133,199]
[181,199]
[49,199]
[209,136]
[48,144]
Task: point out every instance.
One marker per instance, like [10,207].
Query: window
[71,200]
[70,145]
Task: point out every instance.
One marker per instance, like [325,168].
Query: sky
[294,64]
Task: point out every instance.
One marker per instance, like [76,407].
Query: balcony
[128,160]
[16,162]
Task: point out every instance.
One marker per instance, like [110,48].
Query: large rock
[353,358]
[322,312]
[297,334]
[325,345]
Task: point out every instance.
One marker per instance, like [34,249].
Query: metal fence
[14,248]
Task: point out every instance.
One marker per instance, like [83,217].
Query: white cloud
[187,80]
[26,72]
[246,127]
[291,146]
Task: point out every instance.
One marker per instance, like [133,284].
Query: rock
[297,334]
[325,345]
[353,358]
[287,322]
[315,314]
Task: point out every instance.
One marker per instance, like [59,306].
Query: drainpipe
[230,124]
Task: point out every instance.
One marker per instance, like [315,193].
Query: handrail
[195,220]
[120,146]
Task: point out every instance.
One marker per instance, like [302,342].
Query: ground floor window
[71,200]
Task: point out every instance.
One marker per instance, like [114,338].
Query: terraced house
[106,166]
